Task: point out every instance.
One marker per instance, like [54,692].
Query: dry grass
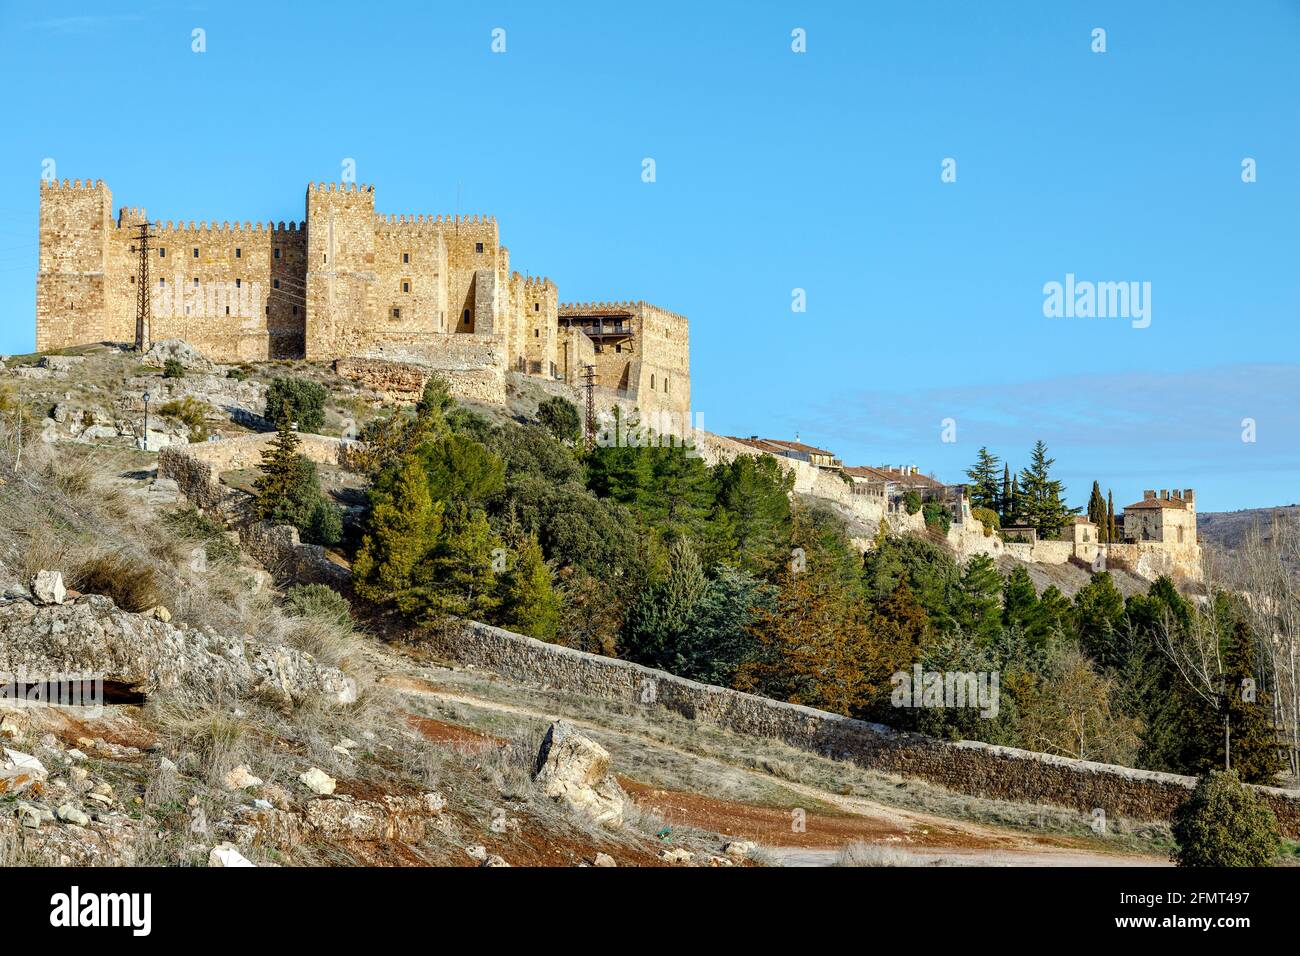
[132,584]
[860,853]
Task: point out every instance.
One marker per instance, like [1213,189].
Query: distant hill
[1226,529]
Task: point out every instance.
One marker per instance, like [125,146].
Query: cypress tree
[1112,530]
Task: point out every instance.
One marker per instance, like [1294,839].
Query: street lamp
[145,440]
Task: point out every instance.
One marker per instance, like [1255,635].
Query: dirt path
[808,838]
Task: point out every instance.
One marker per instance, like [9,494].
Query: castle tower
[72,278]
[341,292]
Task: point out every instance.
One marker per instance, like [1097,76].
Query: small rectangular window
[275,283]
[162,281]
[406,257]
[238,283]
[196,282]
[406,285]
[467,315]
[537,333]
[295,310]
[227,310]
[397,313]
[239,253]
[537,307]
[324,257]
[665,384]
[478,247]
[196,252]
[277,252]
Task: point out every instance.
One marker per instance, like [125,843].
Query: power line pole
[143,318]
[589,385]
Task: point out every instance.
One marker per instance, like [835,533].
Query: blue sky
[775,171]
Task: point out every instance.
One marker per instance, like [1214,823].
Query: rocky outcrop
[91,635]
[575,770]
[177,349]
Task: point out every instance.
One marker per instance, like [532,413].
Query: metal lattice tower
[589,385]
[143,318]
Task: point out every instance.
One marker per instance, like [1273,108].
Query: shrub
[133,585]
[189,523]
[988,518]
[324,524]
[560,417]
[912,501]
[297,400]
[1224,823]
[172,368]
[190,412]
[319,601]
[937,517]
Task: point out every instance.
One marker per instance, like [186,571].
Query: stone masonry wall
[965,766]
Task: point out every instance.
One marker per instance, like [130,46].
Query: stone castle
[345,283]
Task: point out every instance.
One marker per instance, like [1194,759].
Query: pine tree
[753,510]
[287,490]
[1043,498]
[529,604]
[984,480]
[402,527]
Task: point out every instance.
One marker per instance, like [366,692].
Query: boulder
[61,363]
[575,770]
[738,849]
[177,349]
[676,856]
[69,813]
[47,587]
[91,634]
[225,854]
[241,778]
[317,781]
[604,859]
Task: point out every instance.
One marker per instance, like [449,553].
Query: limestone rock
[90,633]
[241,778]
[494,860]
[575,769]
[317,781]
[604,859]
[477,852]
[71,814]
[48,588]
[225,854]
[738,849]
[177,349]
[676,856]
[159,613]
[61,363]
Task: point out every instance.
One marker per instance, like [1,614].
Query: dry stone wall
[965,766]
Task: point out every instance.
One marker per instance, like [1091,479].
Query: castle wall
[663,346]
[240,299]
[73,272]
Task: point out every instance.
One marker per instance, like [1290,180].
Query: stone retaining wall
[965,766]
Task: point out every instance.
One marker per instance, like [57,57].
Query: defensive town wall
[969,767]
